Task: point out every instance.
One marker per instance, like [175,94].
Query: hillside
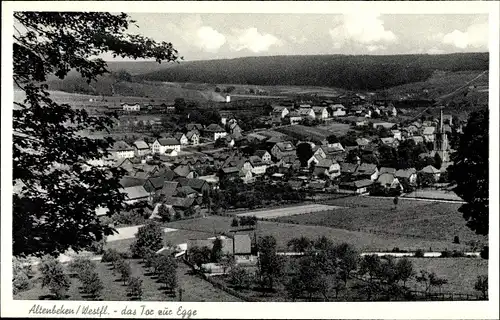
[347,72]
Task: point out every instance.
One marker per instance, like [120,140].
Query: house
[193,137]
[242,244]
[396,134]
[386,125]
[338,110]
[327,167]
[307,113]
[362,142]
[318,151]
[225,116]
[314,160]
[387,170]
[417,139]
[128,164]
[141,148]
[121,150]
[136,194]
[282,149]
[347,168]
[355,187]
[317,185]
[448,119]
[407,175]
[431,172]
[131,107]
[214,131]
[187,191]
[235,129]
[211,180]
[320,113]
[199,185]
[229,140]
[160,146]
[169,189]
[182,138]
[333,149]
[184,171]
[258,167]
[279,113]
[129,181]
[294,117]
[263,155]
[429,134]
[392,111]
[389,141]
[389,181]
[230,173]
[194,126]
[246,175]
[295,184]
[367,171]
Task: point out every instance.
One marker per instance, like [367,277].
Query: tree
[332,139]
[135,287]
[346,258]
[438,162]
[180,105]
[124,270]
[270,265]
[199,256]
[481,285]
[405,270]
[470,172]
[148,237]
[304,153]
[167,272]
[92,284]
[50,157]
[239,278]
[54,277]
[164,213]
[301,244]
[216,253]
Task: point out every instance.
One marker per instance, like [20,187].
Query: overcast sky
[217,36]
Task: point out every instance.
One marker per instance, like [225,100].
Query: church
[441,145]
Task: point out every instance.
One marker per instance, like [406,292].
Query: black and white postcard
[254,160]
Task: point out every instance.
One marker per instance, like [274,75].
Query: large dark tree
[470,171]
[58,190]
[304,153]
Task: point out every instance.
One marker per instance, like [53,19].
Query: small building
[328,167]
[431,172]
[294,117]
[429,134]
[160,146]
[136,194]
[279,113]
[182,138]
[338,110]
[131,107]
[321,113]
[409,175]
[141,148]
[397,134]
[307,112]
[193,137]
[389,181]
[387,125]
[387,170]
[367,171]
[356,187]
[263,155]
[121,150]
[214,131]
[282,149]
[246,175]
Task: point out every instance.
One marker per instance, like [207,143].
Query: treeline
[348,72]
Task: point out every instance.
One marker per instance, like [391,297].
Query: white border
[359,310]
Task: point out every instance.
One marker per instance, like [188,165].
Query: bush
[53,277]
[135,287]
[419,253]
[239,278]
[446,254]
[456,239]
[124,269]
[130,217]
[457,254]
[81,266]
[485,252]
[149,237]
[97,247]
[234,222]
[92,284]
[21,274]
[110,255]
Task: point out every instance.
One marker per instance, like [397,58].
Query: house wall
[124,154]
[259,170]
[218,135]
[183,140]
[338,113]
[266,157]
[195,140]
[142,152]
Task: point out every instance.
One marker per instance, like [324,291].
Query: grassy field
[426,220]
[284,232]
[338,129]
[461,273]
[194,288]
[303,132]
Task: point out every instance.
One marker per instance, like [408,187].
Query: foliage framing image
[59,190]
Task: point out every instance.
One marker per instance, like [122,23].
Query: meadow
[429,221]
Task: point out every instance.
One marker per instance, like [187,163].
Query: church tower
[441,145]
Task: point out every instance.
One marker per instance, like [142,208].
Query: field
[286,212]
[461,273]
[338,129]
[303,132]
[284,232]
[420,219]
[194,288]
[434,194]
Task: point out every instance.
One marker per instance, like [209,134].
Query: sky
[218,36]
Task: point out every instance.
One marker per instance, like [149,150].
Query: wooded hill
[341,71]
